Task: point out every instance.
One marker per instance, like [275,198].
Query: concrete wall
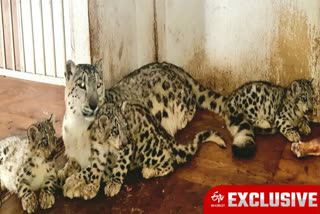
[222,43]
[121,34]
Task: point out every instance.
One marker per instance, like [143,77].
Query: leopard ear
[70,69]
[51,118]
[98,66]
[295,88]
[312,82]
[32,133]
[102,121]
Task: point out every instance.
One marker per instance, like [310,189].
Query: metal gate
[33,39]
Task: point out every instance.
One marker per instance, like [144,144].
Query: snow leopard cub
[147,146]
[261,107]
[26,165]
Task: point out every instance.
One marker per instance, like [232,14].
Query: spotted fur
[84,93]
[134,140]
[261,107]
[168,92]
[170,95]
[26,165]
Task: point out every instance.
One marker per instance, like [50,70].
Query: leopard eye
[44,141]
[115,131]
[304,98]
[82,85]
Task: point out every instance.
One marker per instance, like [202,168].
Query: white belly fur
[8,178]
[40,173]
[76,139]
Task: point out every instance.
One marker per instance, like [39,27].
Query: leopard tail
[183,152]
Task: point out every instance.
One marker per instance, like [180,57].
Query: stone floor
[23,102]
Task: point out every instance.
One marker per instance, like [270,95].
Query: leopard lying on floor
[115,149]
[26,165]
[170,95]
[268,108]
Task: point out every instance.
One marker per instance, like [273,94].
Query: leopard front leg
[74,184]
[71,167]
[119,172]
[304,127]
[46,197]
[29,199]
[91,189]
[288,131]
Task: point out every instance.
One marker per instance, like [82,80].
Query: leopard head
[301,91]
[42,139]
[84,92]
[110,127]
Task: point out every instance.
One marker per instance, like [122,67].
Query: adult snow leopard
[169,93]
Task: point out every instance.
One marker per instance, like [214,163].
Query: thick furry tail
[205,98]
[183,153]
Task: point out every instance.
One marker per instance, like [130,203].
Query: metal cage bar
[11,36]
[20,36]
[42,38]
[53,40]
[2,37]
[32,35]
[31,19]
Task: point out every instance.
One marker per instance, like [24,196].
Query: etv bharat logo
[216,197]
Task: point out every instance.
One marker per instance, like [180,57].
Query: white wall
[77,30]
[121,34]
[222,43]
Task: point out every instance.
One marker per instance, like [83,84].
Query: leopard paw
[293,136]
[263,124]
[29,203]
[73,186]
[46,200]
[90,191]
[112,188]
[148,173]
[305,130]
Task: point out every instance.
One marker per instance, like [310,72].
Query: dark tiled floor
[24,102]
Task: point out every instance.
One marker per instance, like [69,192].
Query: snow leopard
[170,94]
[125,138]
[26,165]
[84,93]
[264,108]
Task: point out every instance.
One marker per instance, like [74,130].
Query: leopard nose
[309,111]
[93,105]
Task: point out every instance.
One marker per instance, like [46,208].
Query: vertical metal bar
[53,41]
[11,35]
[43,44]
[2,35]
[32,35]
[63,31]
[20,36]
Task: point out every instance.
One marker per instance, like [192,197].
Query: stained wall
[222,43]
[121,34]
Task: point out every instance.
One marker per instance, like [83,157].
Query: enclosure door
[38,36]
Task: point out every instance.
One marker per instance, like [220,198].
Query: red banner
[263,198]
